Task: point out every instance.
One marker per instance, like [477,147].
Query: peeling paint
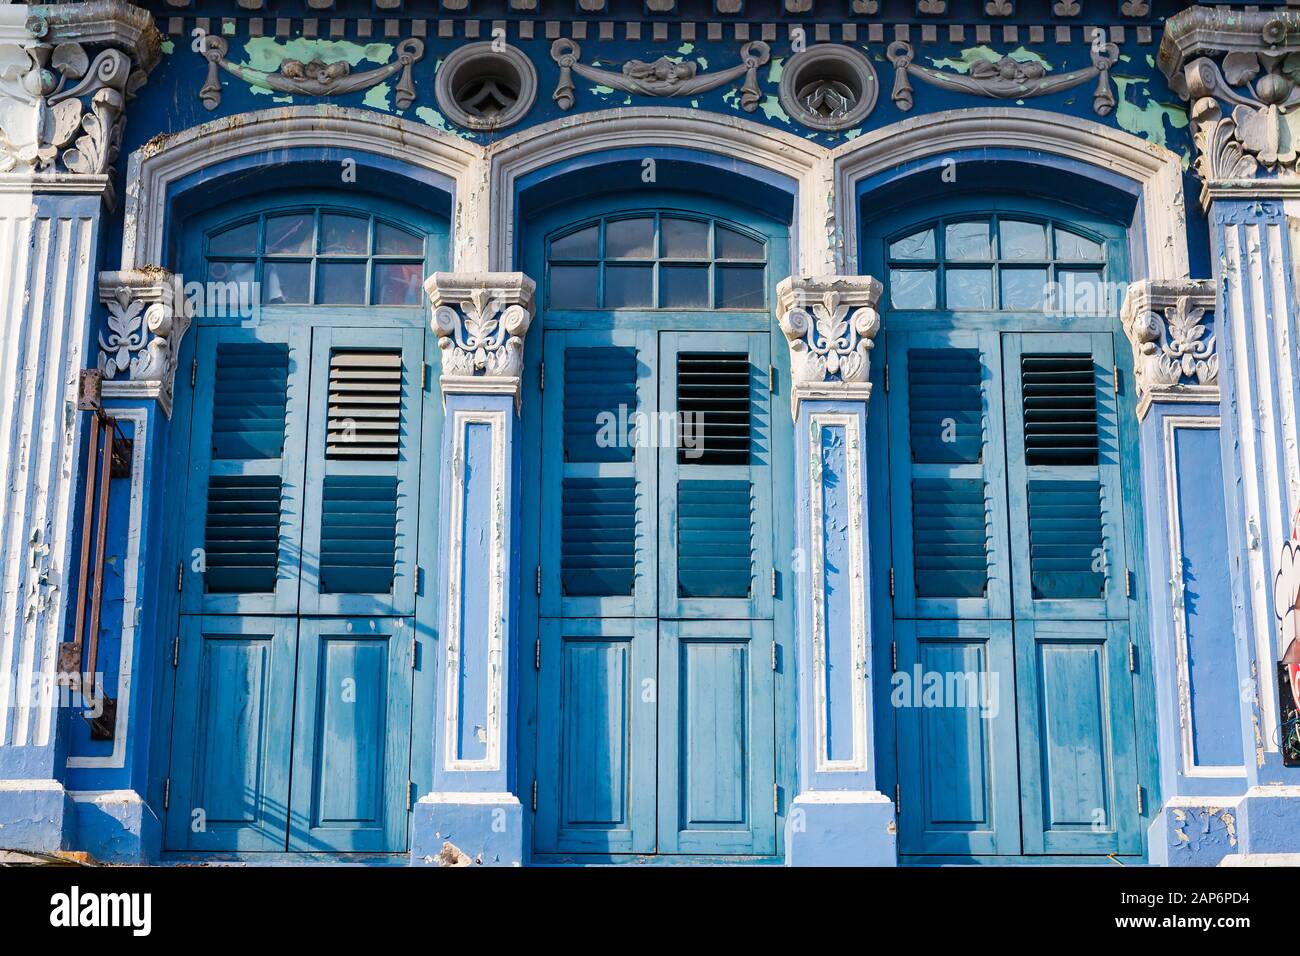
[972,55]
[1147,120]
[266,54]
[377,97]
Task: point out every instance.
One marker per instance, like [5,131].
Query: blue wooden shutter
[948,480]
[363,459]
[1064,476]
[598,475]
[244,497]
[715,497]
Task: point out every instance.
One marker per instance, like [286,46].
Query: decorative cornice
[481,319]
[66,73]
[1240,72]
[1174,354]
[147,318]
[830,323]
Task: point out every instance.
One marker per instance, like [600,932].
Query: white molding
[494,663]
[138,417]
[1158,170]
[1182,652]
[807,164]
[168,158]
[469,797]
[850,423]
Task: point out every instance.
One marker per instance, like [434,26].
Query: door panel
[352,746]
[232,734]
[1077,762]
[954,697]
[596,736]
[716,737]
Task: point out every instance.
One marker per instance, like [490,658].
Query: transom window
[320,257]
[996,263]
[656,261]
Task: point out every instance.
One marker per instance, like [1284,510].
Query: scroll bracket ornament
[663,77]
[1174,354]
[147,318]
[1006,79]
[316,78]
[830,324]
[481,319]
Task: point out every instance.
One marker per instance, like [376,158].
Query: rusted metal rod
[83,579]
[91,657]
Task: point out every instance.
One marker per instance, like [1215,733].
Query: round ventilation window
[483,88]
[829,87]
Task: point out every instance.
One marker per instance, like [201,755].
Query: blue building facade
[497,432]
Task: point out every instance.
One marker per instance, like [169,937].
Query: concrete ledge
[116,826]
[36,815]
[467,829]
[1262,859]
[1270,820]
[841,828]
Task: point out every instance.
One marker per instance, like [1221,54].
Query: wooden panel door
[352,741]
[231,734]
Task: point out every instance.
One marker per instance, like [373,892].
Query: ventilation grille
[599,381]
[249,400]
[242,535]
[358,534]
[713,404]
[598,537]
[1066,556]
[365,405]
[714,539]
[950,538]
[1060,397]
[945,405]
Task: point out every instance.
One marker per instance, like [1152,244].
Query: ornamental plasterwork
[830,324]
[481,319]
[147,317]
[1005,79]
[315,78]
[1174,353]
[664,77]
[62,101]
[1240,71]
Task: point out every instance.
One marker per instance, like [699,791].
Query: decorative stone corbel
[663,77]
[1174,354]
[1006,79]
[1240,71]
[830,324]
[481,319]
[66,73]
[147,318]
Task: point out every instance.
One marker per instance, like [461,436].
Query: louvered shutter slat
[365,405]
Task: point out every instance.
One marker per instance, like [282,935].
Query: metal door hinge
[1142,802]
[180,575]
[424,376]
[539,580]
[891,582]
[194,372]
[1132,657]
[886,377]
[774,582]
[893,656]
[1128,583]
[415,581]
[537,656]
[415,652]
[534,795]
[774,646]
[1115,371]
[167,793]
[176,651]
[898,800]
[410,794]
[776,798]
[771,378]
[541,377]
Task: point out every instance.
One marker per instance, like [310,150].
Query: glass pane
[391,241]
[629,287]
[912,289]
[341,283]
[630,239]
[398,283]
[1024,289]
[967,240]
[1076,248]
[230,271]
[345,235]
[740,287]
[239,241]
[684,286]
[573,287]
[1081,292]
[286,282]
[290,234]
[685,239]
[735,245]
[233,289]
[919,245]
[1022,240]
[577,245]
[968,289]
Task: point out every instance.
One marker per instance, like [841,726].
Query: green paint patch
[1148,118]
[976,54]
[266,54]
[168,47]
[228,29]
[602,90]
[431,117]
[703,61]
[377,97]
[771,107]
[775,68]
[686,48]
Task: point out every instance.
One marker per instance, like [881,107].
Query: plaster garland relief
[830,324]
[481,319]
[1174,354]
